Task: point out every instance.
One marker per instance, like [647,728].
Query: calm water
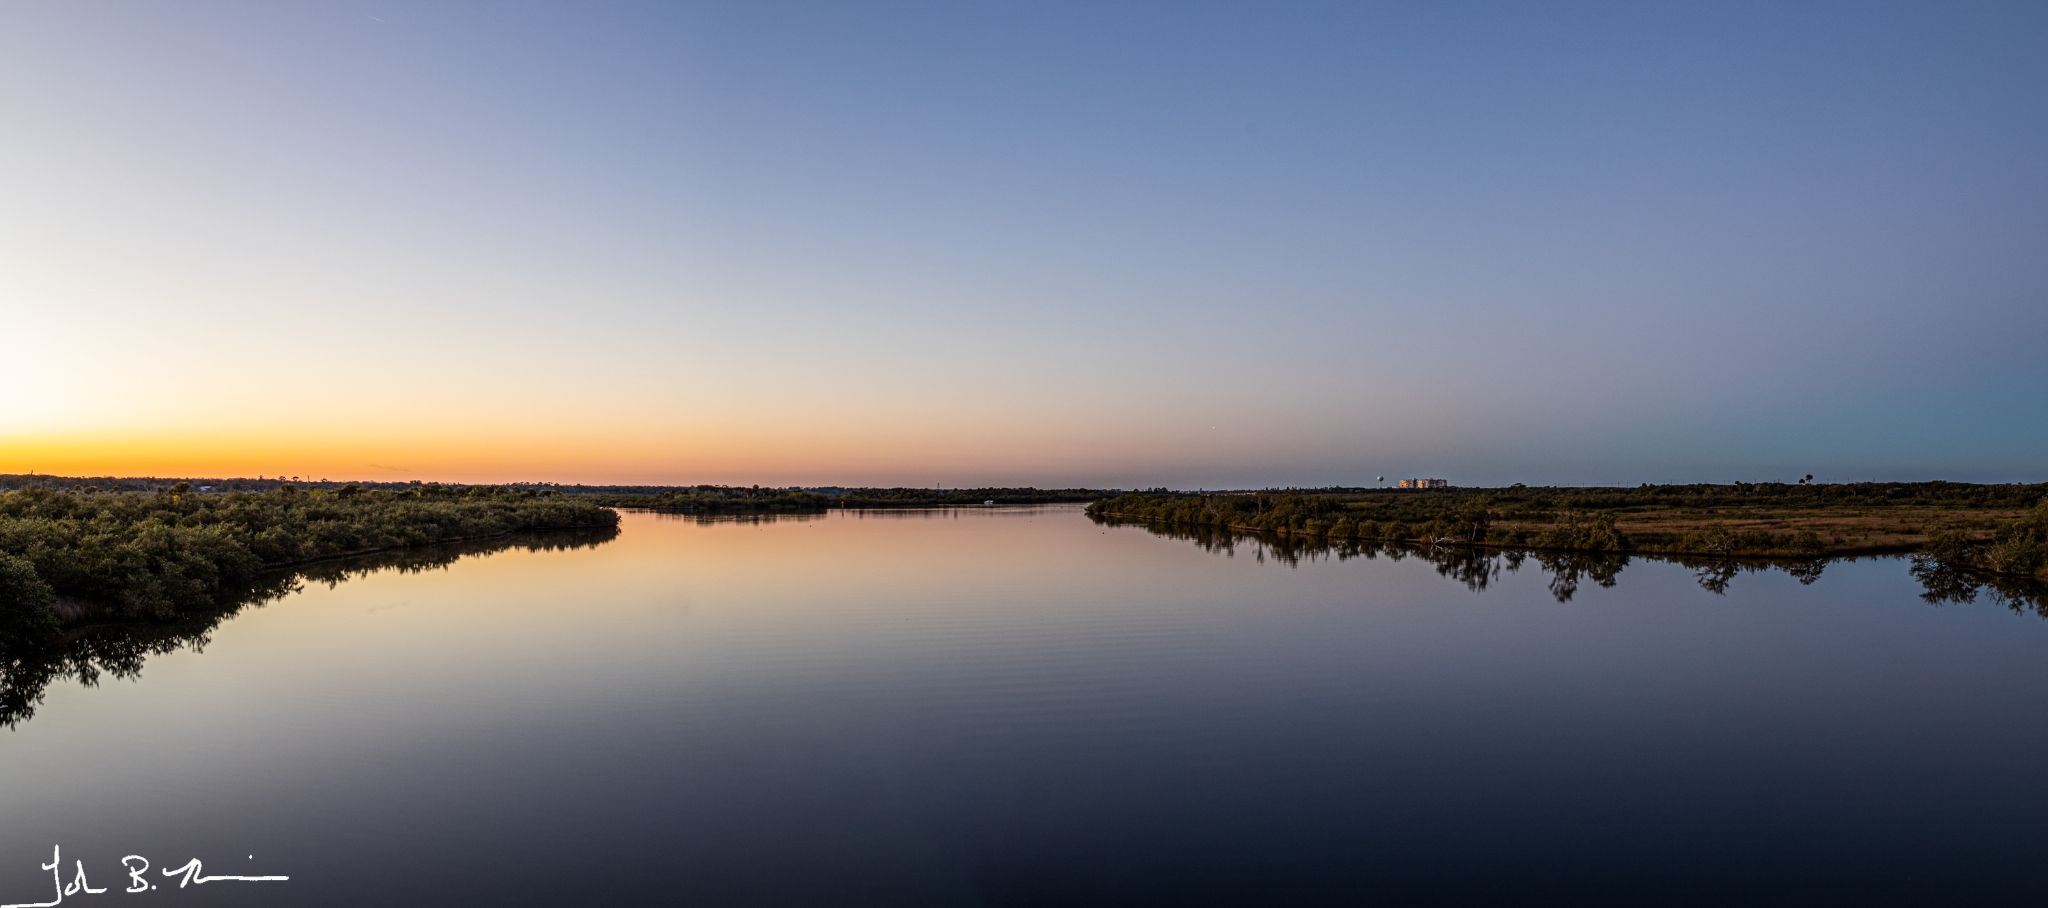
[1020,705]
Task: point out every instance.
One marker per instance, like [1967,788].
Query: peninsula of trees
[91,554]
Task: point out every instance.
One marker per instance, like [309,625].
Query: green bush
[28,607]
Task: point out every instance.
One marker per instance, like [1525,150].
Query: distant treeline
[697,499]
[9,481]
[2001,528]
[756,500]
[159,555]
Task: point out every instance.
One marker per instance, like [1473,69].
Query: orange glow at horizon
[545,454]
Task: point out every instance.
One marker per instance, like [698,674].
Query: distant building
[1425,483]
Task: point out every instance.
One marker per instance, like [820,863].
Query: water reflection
[1002,709]
[1477,568]
[726,519]
[1944,584]
[92,653]
[888,514]
[1567,569]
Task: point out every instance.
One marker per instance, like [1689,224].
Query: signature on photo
[137,869]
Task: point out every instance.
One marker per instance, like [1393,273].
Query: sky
[1127,244]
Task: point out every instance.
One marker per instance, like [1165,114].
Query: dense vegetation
[69,555]
[2017,547]
[1795,520]
[756,500]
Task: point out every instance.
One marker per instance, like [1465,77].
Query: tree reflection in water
[89,654]
[1949,585]
[1566,569]
[1479,568]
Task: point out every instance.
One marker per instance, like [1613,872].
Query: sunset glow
[716,244]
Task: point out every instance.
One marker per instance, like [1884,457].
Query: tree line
[710,499]
[73,555]
[2001,528]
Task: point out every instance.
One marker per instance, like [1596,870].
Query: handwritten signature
[137,866]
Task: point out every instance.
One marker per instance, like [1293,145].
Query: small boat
[990,503]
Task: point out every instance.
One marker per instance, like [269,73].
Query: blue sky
[1130,244]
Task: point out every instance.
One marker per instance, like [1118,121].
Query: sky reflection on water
[1021,704]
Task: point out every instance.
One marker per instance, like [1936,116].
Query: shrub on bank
[2018,547]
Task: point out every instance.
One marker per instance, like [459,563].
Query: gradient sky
[1101,243]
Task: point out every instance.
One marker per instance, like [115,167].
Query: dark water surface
[1019,705]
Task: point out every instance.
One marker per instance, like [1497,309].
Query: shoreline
[1991,530]
[1845,552]
[77,616]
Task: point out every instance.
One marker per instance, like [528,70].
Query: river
[1020,705]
